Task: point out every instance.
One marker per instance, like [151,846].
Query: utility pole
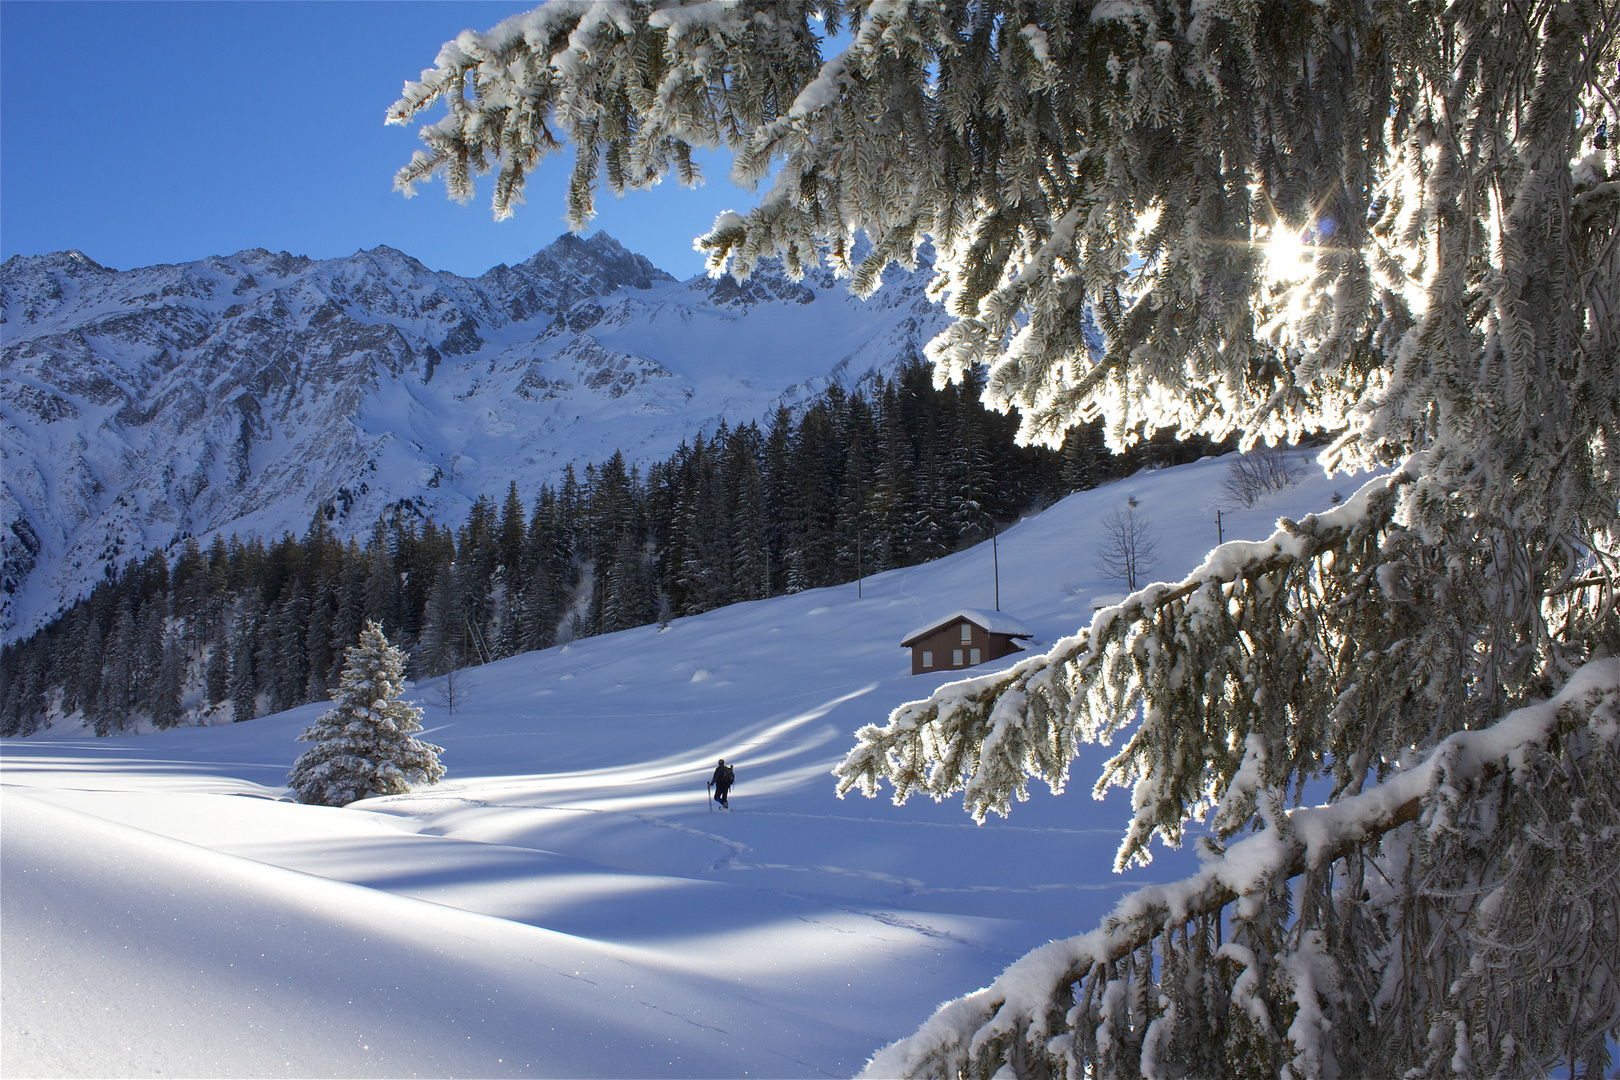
[860,506]
[995,561]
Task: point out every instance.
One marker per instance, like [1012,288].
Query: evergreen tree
[351,599]
[292,677]
[855,435]
[85,681]
[249,562]
[612,528]
[115,697]
[151,629]
[267,663]
[22,671]
[570,509]
[1085,457]
[506,613]
[510,533]
[612,507]
[1394,222]
[381,598]
[439,647]
[478,553]
[217,675]
[34,685]
[189,582]
[470,593]
[628,598]
[778,469]
[245,679]
[11,707]
[699,556]
[364,742]
[549,570]
[969,491]
[215,586]
[928,515]
[815,468]
[415,556]
[171,681]
[891,483]
[743,482]
[318,641]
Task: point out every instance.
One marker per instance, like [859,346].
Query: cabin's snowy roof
[997,622]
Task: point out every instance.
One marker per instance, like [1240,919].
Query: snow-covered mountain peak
[597,266]
[72,261]
[244,393]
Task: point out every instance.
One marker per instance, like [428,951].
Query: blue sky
[144,133]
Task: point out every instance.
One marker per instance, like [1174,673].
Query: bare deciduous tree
[1129,551]
[451,691]
[1255,475]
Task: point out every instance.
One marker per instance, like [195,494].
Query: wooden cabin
[964,639]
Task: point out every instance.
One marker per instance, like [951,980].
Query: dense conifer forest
[855,483]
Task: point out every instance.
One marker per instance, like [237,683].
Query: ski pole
[708,788]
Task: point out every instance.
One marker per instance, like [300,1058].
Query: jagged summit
[383,253]
[600,263]
[245,393]
[598,242]
[71,260]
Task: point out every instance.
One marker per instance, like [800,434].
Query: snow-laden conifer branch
[1190,652]
[1013,1022]
[1392,222]
[1283,220]
[634,85]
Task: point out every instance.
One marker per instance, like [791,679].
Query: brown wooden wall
[944,642]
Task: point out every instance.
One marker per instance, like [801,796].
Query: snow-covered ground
[567,902]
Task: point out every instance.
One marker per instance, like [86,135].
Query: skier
[721,782]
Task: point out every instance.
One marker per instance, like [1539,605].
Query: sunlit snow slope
[567,902]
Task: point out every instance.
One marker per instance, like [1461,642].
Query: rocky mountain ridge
[246,393]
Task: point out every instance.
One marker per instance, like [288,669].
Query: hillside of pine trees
[853,484]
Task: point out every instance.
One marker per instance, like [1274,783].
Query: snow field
[568,888]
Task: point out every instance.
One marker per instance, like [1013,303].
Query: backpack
[726,778]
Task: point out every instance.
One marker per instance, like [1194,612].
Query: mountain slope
[247,393]
[566,901]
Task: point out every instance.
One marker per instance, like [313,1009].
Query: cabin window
[928,657]
[973,656]
[967,632]
[956,657]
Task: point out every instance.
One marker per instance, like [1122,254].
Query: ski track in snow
[568,902]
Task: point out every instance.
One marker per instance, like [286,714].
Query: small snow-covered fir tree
[1391,221]
[365,746]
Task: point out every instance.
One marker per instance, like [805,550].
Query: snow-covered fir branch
[1012,1021]
[1388,221]
[1176,651]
